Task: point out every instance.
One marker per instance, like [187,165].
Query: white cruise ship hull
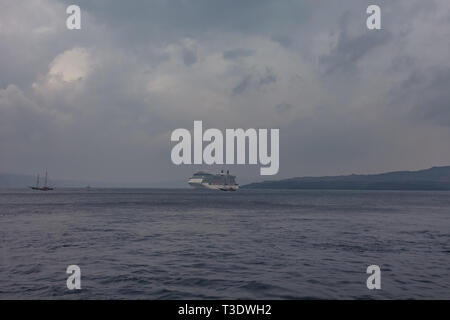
[199,184]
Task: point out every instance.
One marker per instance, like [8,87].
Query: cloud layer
[100,103]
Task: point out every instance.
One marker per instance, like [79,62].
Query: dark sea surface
[193,244]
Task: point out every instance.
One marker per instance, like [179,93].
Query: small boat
[43,188]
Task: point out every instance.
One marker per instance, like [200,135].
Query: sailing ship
[46,187]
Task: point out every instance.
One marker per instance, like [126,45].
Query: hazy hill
[436,178]
[16,180]
[23,181]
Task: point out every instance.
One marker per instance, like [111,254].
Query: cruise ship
[221,181]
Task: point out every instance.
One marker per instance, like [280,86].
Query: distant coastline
[8,180]
[435,178]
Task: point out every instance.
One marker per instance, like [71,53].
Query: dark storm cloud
[429,94]
[101,102]
[284,107]
[237,53]
[243,85]
[192,17]
[349,50]
[283,39]
[267,78]
[189,56]
[256,81]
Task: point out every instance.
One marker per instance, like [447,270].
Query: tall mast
[45,183]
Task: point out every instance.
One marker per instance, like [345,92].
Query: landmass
[435,178]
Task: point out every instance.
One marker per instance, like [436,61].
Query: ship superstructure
[222,181]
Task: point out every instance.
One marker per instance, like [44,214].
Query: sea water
[250,244]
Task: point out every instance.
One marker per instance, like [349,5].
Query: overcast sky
[100,103]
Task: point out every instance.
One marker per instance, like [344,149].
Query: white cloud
[71,65]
